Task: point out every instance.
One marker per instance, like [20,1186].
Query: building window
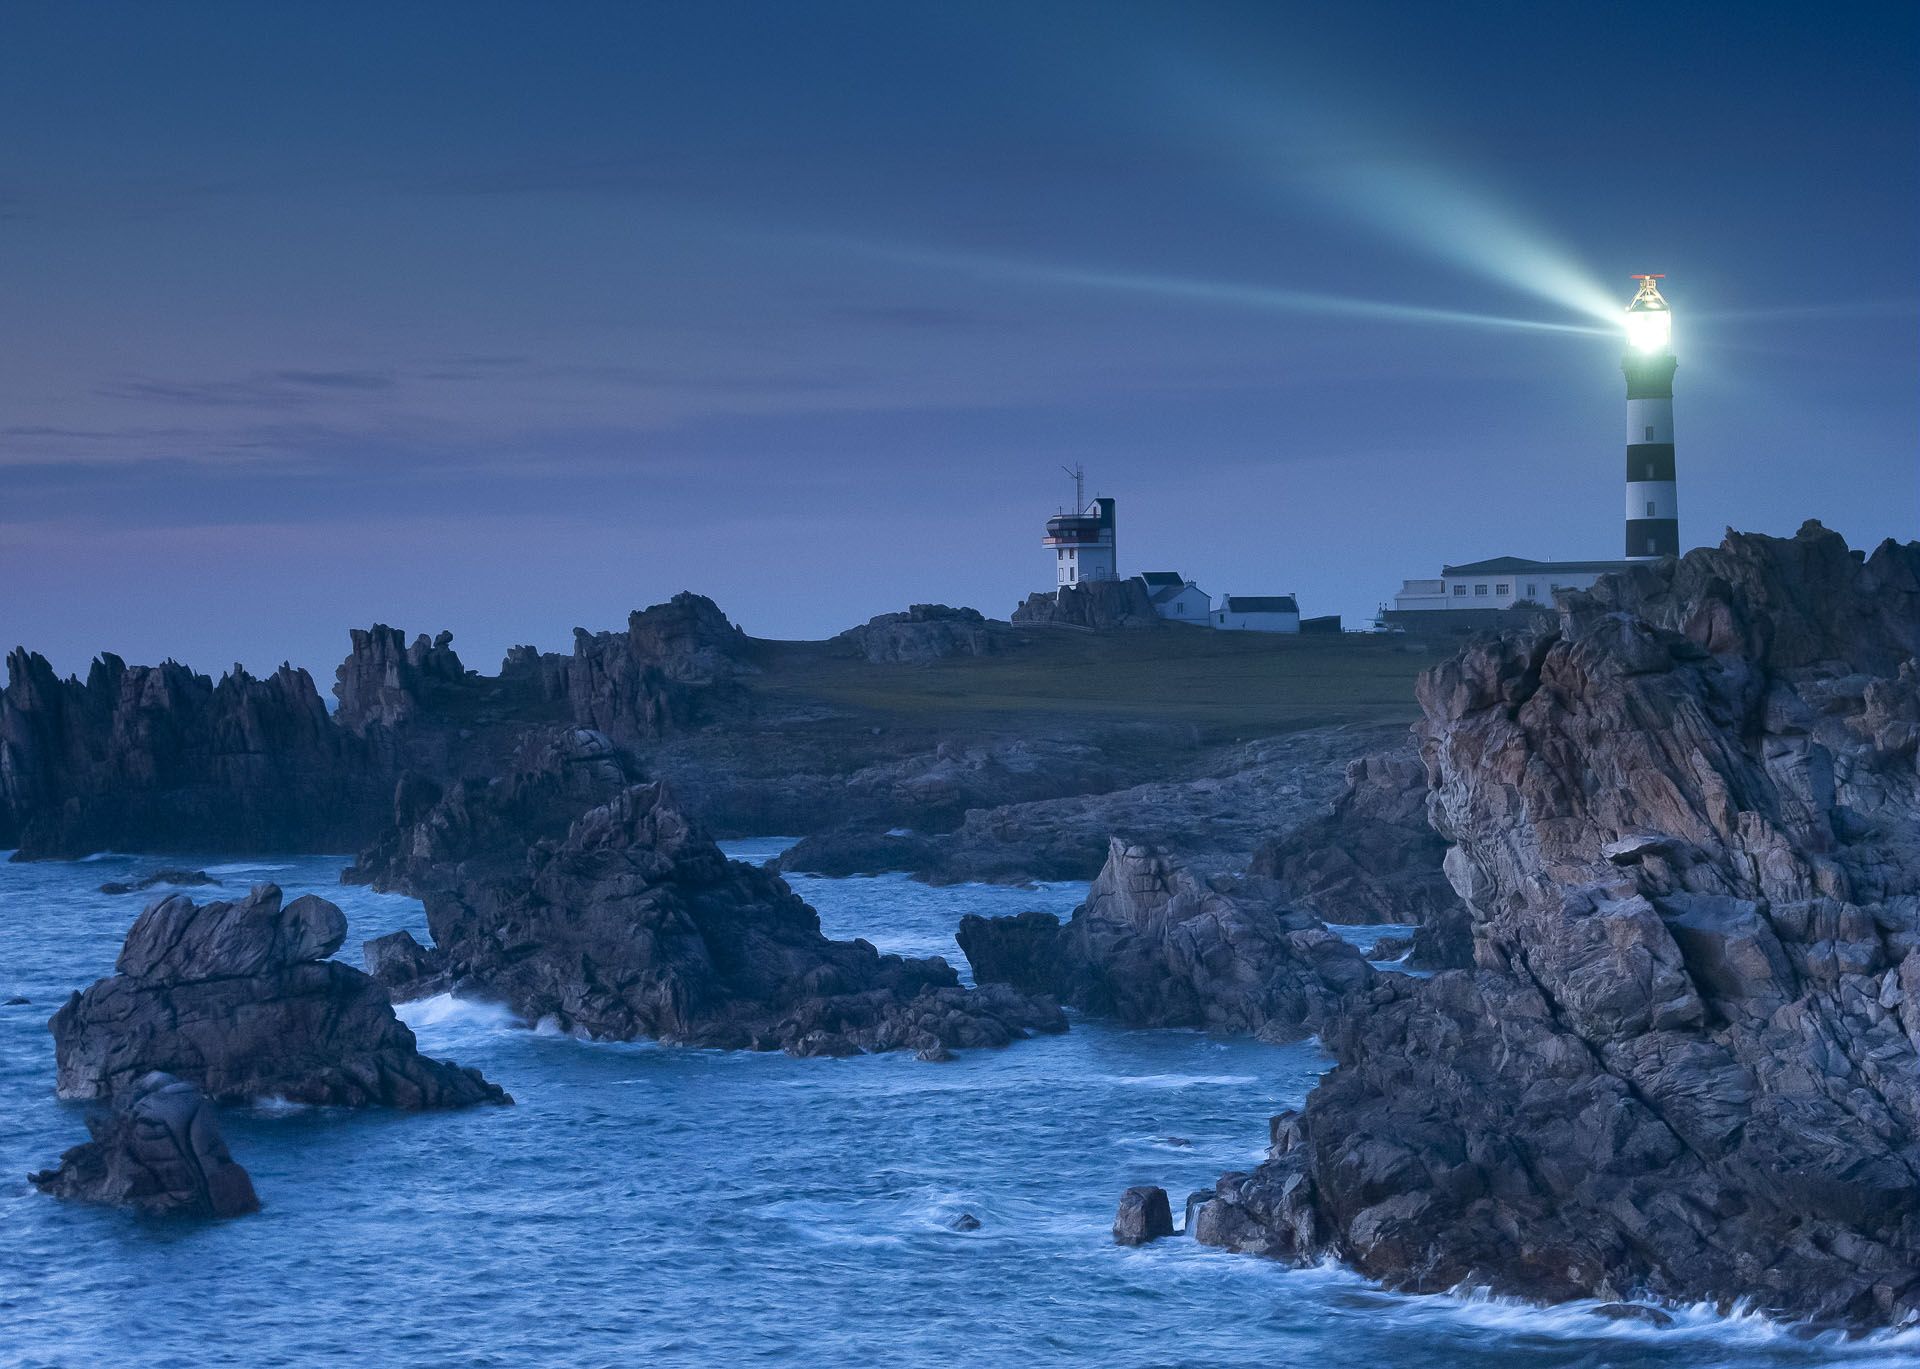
[1649,508]
[1533,591]
[1649,470]
[1459,591]
[1503,590]
[1479,590]
[1649,434]
[1650,550]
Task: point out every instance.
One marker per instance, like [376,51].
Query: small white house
[1257,613]
[1177,598]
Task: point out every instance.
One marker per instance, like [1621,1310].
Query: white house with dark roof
[1500,583]
[1175,597]
[1257,613]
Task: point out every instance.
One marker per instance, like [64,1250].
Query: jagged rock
[1143,1216]
[145,758]
[238,999]
[179,879]
[398,959]
[966,1221]
[1633,1311]
[384,683]
[1374,857]
[1692,1073]
[630,923]
[925,632]
[554,775]
[1156,945]
[161,1153]
[1101,605]
[1390,948]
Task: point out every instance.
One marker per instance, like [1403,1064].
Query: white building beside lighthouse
[1488,588]
[1083,544]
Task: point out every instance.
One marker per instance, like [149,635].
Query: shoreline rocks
[1685,823]
[629,923]
[1144,1216]
[1157,945]
[160,1153]
[239,999]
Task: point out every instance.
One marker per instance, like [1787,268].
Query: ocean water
[649,1205]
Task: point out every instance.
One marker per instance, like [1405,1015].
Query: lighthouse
[1653,511]
[1082,542]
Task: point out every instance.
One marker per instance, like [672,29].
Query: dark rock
[1143,1216]
[179,879]
[630,923]
[145,758]
[1156,945]
[966,1221]
[1101,605]
[161,1153]
[407,969]
[1390,948]
[1685,1066]
[237,999]
[17,1001]
[1444,941]
[1373,857]
[385,683]
[926,632]
[1633,1311]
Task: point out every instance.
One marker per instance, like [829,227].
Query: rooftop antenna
[1079,474]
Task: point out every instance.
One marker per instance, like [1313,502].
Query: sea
[650,1205]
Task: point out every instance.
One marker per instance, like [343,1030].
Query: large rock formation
[1373,857]
[630,923]
[239,999]
[676,666]
[154,758]
[1099,605]
[384,682]
[925,632]
[1156,945]
[161,1153]
[1684,823]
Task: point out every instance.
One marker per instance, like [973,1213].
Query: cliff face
[158,757]
[1683,821]
[384,682]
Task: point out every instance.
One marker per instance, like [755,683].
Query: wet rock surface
[179,879]
[161,1153]
[1158,945]
[1683,821]
[629,923]
[238,999]
[1144,1216]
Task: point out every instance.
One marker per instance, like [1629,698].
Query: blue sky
[507,318]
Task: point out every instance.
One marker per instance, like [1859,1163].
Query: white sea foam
[444,1010]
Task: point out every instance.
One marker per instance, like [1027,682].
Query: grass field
[1226,684]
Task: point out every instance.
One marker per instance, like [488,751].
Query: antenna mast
[1079,474]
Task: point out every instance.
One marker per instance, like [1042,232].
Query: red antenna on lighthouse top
[1657,275]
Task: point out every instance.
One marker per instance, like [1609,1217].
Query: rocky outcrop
[632,924]
[1097,605]
[675,667]
[1683,821]
[162,1154]
[1214,815]
[1373,857]
[240,1000]
[1144,1216]
[1156,945]
[926,632]
[385,683]
[154,758]
[439,833]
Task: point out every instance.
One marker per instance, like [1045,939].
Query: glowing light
[1648,330]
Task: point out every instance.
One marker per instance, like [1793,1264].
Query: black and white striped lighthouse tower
[1653,510]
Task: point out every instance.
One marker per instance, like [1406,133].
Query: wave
[444,1010]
